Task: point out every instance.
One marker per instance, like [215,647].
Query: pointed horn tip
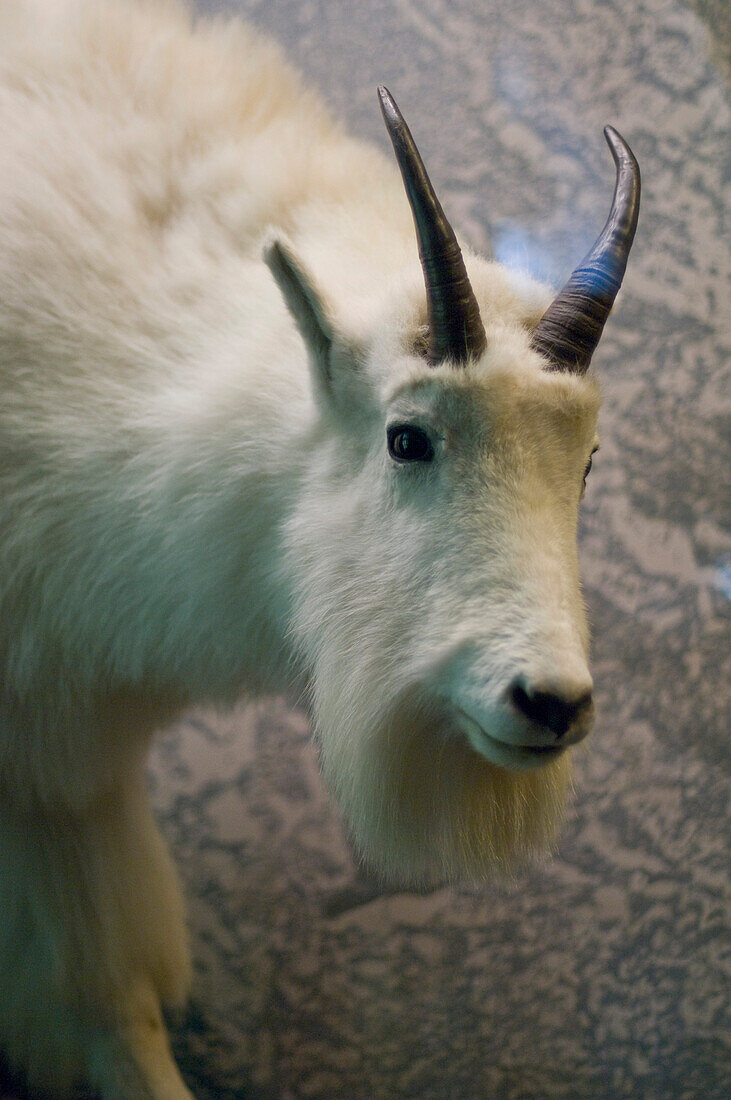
[618,146]
[387,101]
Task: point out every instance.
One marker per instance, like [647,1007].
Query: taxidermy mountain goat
[252,439]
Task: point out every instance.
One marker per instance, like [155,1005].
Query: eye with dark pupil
[587,471]
[409,444]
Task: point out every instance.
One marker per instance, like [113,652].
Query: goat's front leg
[133,1060]
[91,941]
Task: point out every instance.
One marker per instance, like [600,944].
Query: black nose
[568,719]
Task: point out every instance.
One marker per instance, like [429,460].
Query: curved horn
[569,331]
[455,327]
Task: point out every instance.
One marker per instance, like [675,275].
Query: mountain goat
[249,443]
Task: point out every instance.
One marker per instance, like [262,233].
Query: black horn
[455,328]
[569,331]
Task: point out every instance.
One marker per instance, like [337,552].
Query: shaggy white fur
[210,313]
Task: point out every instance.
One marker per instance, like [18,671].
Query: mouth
[502,753]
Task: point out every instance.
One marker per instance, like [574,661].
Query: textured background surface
[600,974]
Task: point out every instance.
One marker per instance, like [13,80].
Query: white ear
[306,306]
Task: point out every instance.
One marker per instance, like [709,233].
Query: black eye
[587,471]
[409,444]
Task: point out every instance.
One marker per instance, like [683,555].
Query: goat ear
[306,305]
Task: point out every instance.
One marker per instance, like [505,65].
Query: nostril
[551,710]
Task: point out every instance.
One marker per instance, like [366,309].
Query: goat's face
[481,526]
[438,601]
[437,595]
